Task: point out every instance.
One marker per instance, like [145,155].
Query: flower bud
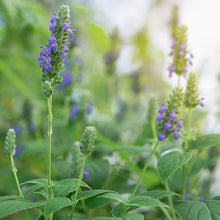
[88,140]
[10,142]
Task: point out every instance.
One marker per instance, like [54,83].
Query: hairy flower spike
[168,119]
[88,140]
[76,160]
[53,54]
[181,56]
[9,148]
[191,99]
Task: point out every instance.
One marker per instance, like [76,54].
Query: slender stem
[50,118]
[166,213]
[170,201]
[14,170]
[140,177]
[78,186]
[185,149]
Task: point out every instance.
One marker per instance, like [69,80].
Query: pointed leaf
[195,210]
[158,194]
[66,186]
[42,182]
[3,198]
[171,162]
[113,196]
[204,141]
[146,201]
[91,193]
[12,206]
[56,204]
[126,217]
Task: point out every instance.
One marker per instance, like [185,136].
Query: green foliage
[171,162]
[204,141]
[127,217]
[207,210]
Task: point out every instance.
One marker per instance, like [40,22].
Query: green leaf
[146,201]
[113,196]
[126,217]
[2,198]
[204,141]
[13,206]
[194,210]
[158,194]
[91,193]
[56,204]
[43,192]
[42,182]
[27,190]
[118,210]
[171,162]
[64,187]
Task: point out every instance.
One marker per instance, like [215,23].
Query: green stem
[50,118]
[78,186]
[170,201]
[140,177]
[166,213]
[14,170]
[185,149]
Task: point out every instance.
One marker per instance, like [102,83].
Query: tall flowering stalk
[86,148]
[51,63]
[191,100]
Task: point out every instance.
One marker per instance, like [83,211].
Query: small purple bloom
[86,173]
[171,53]
[89,108]
[175,135]
[185,69]
[159,117]
[31,127]
[18,150]
[201,103]
[191,55]
[171,69]
[202,198]
[67,79]
[183,46]
[109,57]
[162,136]
[173,115]
[63,54]
[71,35]
[17,129]
[53,19]
[74,111]
[181,53]
[66,25]
[163,109]
[168,125]
[52,27]
[186,196]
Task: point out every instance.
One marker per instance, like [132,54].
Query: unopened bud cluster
[88,140]
[9,148]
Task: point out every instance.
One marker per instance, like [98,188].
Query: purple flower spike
[181,53]
[86,173]
[89,108]
[175,135]
[31,127]
[162,136]
[168,125]
[66,25]
[173,115]
[159,117]
[74,111]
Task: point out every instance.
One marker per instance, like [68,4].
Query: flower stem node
[88,140]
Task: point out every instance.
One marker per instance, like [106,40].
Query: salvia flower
[73,112]
[169,122]
[191,99]
[88,140]
[182,58]
[53,54]
[86,173]
[9,148]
